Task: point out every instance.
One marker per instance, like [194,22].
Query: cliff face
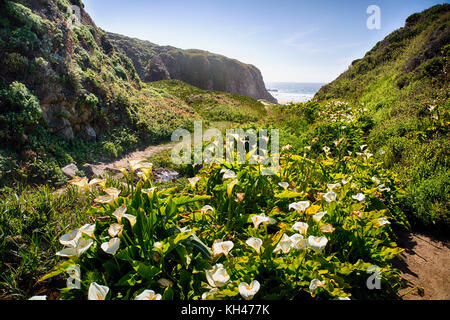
[199,68]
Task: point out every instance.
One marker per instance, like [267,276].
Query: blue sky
[288,40]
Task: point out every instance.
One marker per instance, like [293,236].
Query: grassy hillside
[66,95]
[404,84]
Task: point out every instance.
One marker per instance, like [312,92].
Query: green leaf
[146,271]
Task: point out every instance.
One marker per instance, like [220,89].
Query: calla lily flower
[255,243]
[149,191]
[113,192]
[193,181]
[100,182]
[115,229]
[220,248]
[333,186]
[248,291]
[210,292]
[82,246]
[343,298]
[207,208]
[135,164]
[284,185]
[382,221]
[97,292]
[228,174]
[317,243]
[258,219]
[38,298]
[359,197]
[112,246]
[165,283]
[81,183]
[383,188]
[286,147]
[299,206]
[217,277]
[376,180]
[71,239]
[284,245]
[121,213]
[298,242]
[326,149]
[318,216]
[330,196]
[315,284]
[88,229]
[148,295]
[327,228]
[104,199]
[301,227]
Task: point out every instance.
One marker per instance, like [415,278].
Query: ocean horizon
[293,92]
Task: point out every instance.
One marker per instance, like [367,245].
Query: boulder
[93,171]
[70,170]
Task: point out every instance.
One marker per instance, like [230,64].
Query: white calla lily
[111,246]
[284,185]
[317,243]
[97,292]
[220,248]
[330,196]
[71,239]
[359,197]
[327,228]
[193,181]
[298,242]
[207,208]
[301,227]
[284,245]
[217,277]
[249,291]
[148,295]
[88,229]
[38,298]
[228,174]
[382,221]
[115,229]
[258,219]
[255,243]
[300,206]
[315,284]
[318,216]
[82,246]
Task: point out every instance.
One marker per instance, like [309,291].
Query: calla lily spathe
[255,243]
[315,284]
[317,243]
[359,197]
[111,246]
[284,185]
[258,219]
[248,291]
[115,229]
[330,197]
[318,216]
[148,295]
[97,292]
[327,228]
[217,277]
[284,245]
[228,174]
[301,227]
[220,248]
[121,213]
[71,239]
[88,229]
[193,181]
[300,206]
[82,246]
[38,298]
[298,242]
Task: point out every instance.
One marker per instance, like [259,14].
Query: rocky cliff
[199,68]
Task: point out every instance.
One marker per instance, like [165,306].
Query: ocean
[287,92]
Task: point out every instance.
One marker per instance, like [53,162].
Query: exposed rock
[165,175]
[93,171]
[70,170]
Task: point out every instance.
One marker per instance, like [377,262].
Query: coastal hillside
[199,68]
[68,96]
[403,82]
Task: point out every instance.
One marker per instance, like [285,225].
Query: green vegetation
[403,82]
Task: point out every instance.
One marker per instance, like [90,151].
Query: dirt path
[425,264]
[147,153]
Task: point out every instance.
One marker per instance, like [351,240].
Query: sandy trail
[425,264]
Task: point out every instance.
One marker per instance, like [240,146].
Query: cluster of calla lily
[309,211]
